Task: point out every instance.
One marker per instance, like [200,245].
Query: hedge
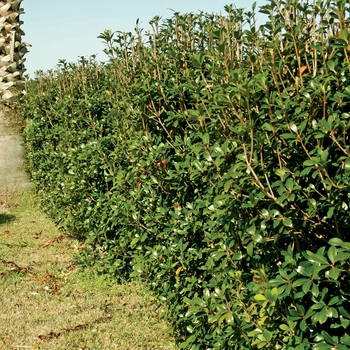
[210,158]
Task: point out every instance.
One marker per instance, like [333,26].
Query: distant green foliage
[211,158]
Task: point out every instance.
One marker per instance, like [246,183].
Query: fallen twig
[59,238]
[53,335]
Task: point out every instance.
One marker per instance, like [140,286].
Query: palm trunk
[12,49]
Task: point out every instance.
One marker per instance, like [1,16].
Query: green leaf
[262,344]
[306,286]
[300,281]
[324,155]
[154,179]
[255,332]
[265,212]
[237,256]
[342,256]
[288,136]
[276,282]
[318,306]
[284,327]
[333,273]
[347,164]
[134,241]
[317,258]
[331,65]
[272,295]
[250,249]
[319,135]
[344,34]
[305,171]
[218,255]
[309,313]
[260,297]
[322,316]
[213,318]
[267,335]
[267,127]
[280,173]
[315,290]
[345,323]
[189,329]
[257,238]
[330,212]
[288,222]
[304,271]
[344,312]
[229,318]
[199,301]
[309,162]
[228,185]
[345,339]
[328,338]
[322,346]
[303,325]
[251,230]
[205,138]
[335,300]
[332,253]
[289,184]
[335,241]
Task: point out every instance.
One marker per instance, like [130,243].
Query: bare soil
[13,175]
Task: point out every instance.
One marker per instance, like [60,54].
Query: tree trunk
[12,49]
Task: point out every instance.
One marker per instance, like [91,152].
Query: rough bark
[12,49]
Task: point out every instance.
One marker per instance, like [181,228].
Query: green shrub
[212,161]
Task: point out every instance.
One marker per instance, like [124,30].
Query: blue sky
[67,29]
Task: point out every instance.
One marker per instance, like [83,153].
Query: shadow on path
[6,218]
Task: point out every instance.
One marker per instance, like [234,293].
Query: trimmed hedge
[210,157]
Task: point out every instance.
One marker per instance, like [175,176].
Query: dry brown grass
[47,302]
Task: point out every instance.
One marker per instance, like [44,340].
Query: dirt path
[13,177]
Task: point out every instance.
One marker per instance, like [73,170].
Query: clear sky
[67,29]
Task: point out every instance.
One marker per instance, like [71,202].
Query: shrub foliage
[210,157]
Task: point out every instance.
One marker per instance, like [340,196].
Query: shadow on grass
[6,218]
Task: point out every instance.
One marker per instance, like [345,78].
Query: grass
[48,302]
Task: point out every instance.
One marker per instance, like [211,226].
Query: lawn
[50,302]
